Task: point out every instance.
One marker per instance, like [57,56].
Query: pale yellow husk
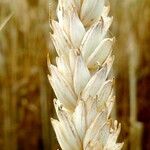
[82,79]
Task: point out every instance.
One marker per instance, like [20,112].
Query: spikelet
[82,79]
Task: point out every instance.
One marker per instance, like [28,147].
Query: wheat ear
[82,78]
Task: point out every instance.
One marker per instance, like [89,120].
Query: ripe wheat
[82,78]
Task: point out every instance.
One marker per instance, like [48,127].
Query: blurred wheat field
[25,94]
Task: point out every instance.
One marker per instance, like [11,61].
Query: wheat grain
[81,80]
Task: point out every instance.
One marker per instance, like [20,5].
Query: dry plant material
[5,22]
[82,79]
[21,88]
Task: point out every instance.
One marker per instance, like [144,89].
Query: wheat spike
[82,79]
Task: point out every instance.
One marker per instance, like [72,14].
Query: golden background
[25,94]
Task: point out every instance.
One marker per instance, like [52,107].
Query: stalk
[136,127]
[82,78]
[9,113]
[44,113]
[5,21]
